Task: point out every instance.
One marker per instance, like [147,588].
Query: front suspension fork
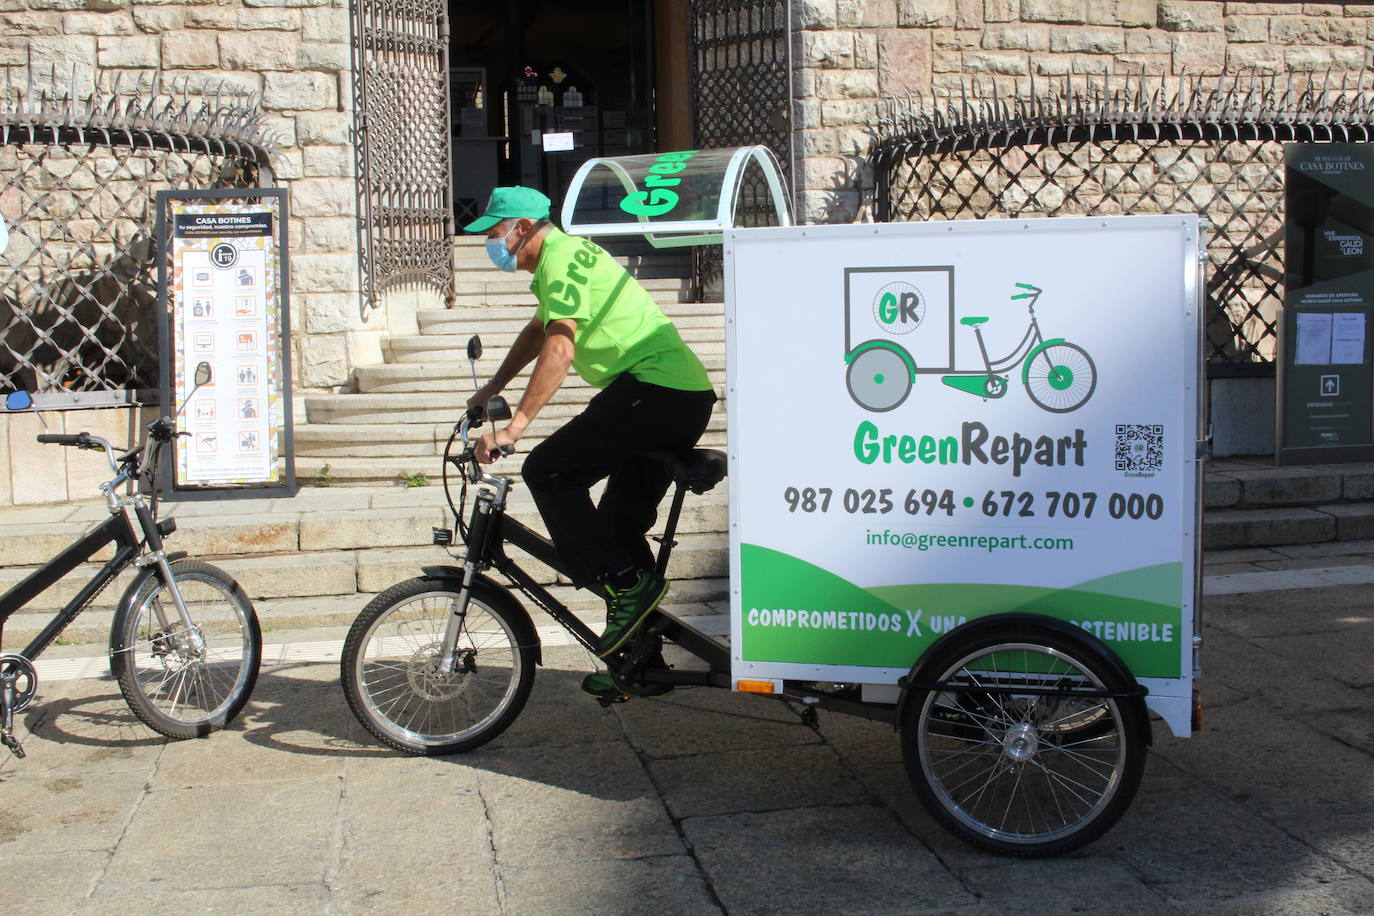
[479,530]
[188,626]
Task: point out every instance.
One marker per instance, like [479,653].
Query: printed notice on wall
[1347,338]
[1314,339]
[1330,339]
[226,300]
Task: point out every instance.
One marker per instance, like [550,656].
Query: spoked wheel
[878,379]
[187,683]
[1060,377]
[1023,774]
[391,668]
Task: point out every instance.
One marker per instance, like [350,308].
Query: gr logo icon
[899,307]
[224,256]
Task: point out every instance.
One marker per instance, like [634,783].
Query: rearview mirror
[203,374]
[474,347]
[18,400]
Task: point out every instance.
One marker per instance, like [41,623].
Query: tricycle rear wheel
[1023,774]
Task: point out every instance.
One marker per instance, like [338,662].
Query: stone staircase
[1251,503]
[396,424]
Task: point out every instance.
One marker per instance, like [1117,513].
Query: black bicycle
[444,662]
[185,644]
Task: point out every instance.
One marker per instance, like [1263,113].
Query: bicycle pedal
[16,748]
[607,702]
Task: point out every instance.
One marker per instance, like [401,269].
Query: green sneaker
[603,688]
[627,610]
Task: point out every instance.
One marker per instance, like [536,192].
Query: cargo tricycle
[1013,588]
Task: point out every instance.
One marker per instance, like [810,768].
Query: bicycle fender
[995,622]
[126,601]
[1030,357]
[883,345]
[519,617]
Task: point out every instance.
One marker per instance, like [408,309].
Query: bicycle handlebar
[80,440]
[139,456]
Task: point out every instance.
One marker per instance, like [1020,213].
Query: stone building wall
[851,53]
[295,55]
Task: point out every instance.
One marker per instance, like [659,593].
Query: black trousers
[608,440]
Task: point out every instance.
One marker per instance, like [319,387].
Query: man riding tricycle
[1012,585]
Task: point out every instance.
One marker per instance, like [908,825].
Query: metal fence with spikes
[78,281]
[1092,147]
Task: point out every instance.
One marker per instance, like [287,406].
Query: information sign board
[1326,374]
[224,284]
[934,422]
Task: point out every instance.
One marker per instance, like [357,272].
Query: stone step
[383,470]
[1239,484]
[456,377]
[472,284]
[314,520]
[377,435]
[525,297]
[704,342]
[520,314]
[497,333]
[428,406]
[1272,527]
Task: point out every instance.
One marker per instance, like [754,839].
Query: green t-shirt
[619,326]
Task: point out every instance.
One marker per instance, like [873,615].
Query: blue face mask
[500,255]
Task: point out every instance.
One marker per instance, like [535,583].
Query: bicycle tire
[388,667]
[1026,776]
[173,688]
[1060,377]
[878,380]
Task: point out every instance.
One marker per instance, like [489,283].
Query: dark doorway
[531,77]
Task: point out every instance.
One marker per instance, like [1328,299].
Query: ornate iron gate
[742,95]
[401,104]
[1089,148]
[78,282]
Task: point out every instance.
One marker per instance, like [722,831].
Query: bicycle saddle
[972,321]
[697,469]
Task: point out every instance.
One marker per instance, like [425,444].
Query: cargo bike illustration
[1022,701]
[1058,376]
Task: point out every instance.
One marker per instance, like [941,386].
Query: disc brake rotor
[424,678]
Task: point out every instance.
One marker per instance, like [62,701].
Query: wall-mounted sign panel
[1326,374]
[223,285]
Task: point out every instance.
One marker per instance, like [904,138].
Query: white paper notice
[559,142]
[1314,339]
[1347,338]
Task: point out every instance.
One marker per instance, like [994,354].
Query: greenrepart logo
[899,307]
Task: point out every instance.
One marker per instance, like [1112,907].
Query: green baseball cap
[515,201]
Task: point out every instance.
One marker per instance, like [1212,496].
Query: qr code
[1139,447]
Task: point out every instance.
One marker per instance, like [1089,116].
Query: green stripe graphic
[796,612]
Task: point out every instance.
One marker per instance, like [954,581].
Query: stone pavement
[703,802]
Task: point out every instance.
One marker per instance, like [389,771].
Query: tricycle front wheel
[1023,774]
[391,673]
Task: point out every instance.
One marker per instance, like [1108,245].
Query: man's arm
[526,347]
[555,358]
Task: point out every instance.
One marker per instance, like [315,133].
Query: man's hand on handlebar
[493,444]
[484,394]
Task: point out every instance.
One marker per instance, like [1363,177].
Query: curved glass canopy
[672,199]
